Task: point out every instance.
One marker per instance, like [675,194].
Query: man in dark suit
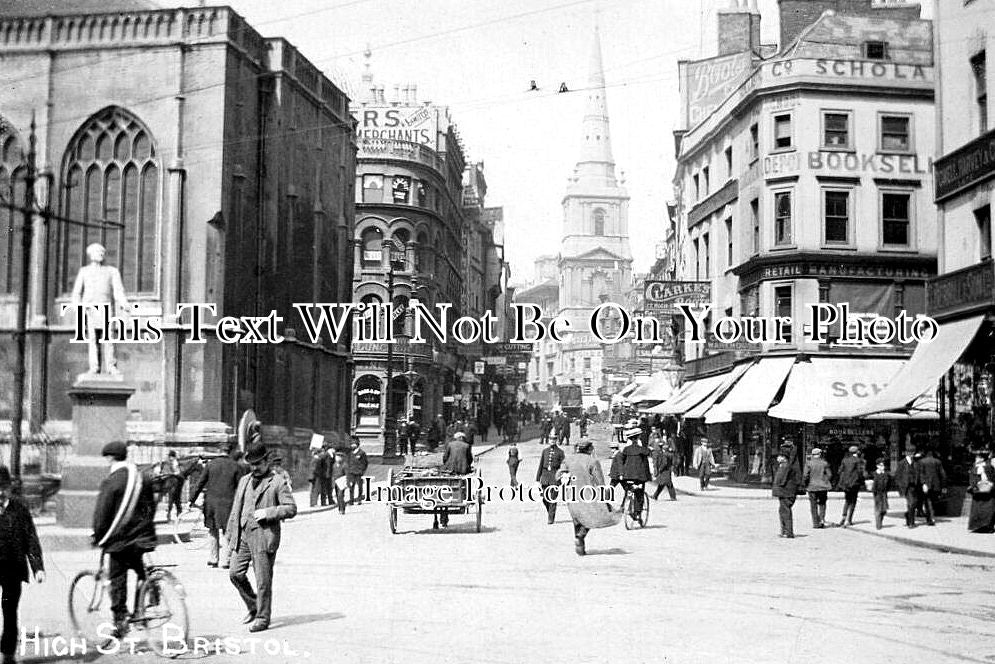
[907,482]
[631,469]
[785,489]
[218,482]
[546,475]
[357,464]
[933,479]
[262,501]
[851,478]
[663,461]
[123,526]
[20,558]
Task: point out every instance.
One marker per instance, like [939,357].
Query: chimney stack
[739,28]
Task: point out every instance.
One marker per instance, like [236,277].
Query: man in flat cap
[785,489]
[817,481]
[123,526]
[851,479]
[262,500]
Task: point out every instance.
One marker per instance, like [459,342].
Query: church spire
[596,161]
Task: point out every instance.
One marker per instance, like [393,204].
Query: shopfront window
[367,401]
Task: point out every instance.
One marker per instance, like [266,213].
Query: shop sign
[967,166]
[962,290]
[664,296]
[412,124]
[478,368]
[495,360]
[707,83]
[832,270]
[852,69]
[861,162]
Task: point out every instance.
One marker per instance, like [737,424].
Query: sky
[478,57]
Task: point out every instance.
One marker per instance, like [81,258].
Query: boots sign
[707,83]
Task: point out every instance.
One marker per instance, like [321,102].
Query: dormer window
[876,50]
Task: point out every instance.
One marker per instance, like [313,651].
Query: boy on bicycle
[631,468]
[123,526]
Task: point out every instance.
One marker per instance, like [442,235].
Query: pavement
[706,582]
[949,535]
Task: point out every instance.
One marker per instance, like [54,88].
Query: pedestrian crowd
[919,479]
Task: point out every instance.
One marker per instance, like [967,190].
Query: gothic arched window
[599,222]
[111,174]
[12,191]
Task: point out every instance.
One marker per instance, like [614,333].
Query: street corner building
[216,166]
[804,176]
[422,235]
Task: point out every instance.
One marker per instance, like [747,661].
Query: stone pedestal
[100,413]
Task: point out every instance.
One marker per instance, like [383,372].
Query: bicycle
[634,519]
[189,528]
[160,606]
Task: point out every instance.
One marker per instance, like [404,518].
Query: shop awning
[754,391]
[658,389]
[929,361]
[690,395]
[829,388]
[729,379]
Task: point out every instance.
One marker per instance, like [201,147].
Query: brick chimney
[739,27]
[797,15]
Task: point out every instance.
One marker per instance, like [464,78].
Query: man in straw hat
[631,467]
[262,500]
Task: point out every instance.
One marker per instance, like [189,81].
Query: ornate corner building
[422,233]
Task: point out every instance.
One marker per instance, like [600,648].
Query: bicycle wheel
[163,614]
[626,509]
[189,529]
[86,599]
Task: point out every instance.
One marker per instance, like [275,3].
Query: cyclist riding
[631,468]
[124,527]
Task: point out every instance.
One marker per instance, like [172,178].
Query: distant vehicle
[569,399]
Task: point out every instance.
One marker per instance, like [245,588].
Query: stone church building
[216,166]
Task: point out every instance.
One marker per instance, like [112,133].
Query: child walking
[513,462]
[880,489]
[340,468]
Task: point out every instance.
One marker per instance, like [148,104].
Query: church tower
[595,259]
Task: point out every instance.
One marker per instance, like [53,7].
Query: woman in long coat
[982,519]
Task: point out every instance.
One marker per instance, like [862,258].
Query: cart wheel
[392,517]
[480,512]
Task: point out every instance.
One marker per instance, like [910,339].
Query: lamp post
[389,430]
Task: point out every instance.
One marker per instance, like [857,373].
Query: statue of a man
[96,285]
